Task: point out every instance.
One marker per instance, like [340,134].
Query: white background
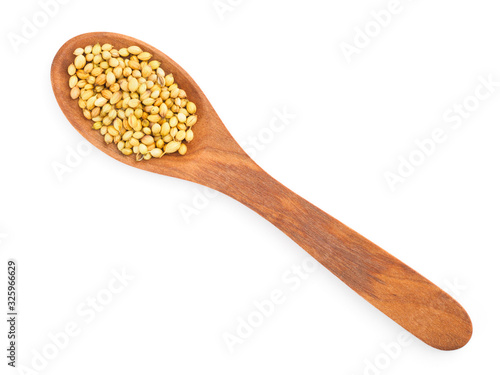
[194,278]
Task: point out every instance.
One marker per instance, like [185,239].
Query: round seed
[191,108]
[80,62]
[134,50]
[172,147]
[183,149]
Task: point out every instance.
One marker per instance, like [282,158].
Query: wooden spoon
[214,159]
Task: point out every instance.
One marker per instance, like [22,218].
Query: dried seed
[172,147]
[75,92]
[72,70]
[116,97]
[145,56]
[100,102]
[156,153]
[133,84]
[110,78]
[191,108]
[183,149]
[73,81]
[191,120]
[180,136]
[134,50]
[80,62]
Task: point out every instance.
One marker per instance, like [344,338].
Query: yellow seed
[183,149]
[156,129]
[123,52]
[154,118]
[180,136]
[156,152]
[80,62]
[134,103]
[172,147]
[113,62]
[96,49]
[72,70]
[106,47]
[143,149]
[163,110]
[106,55]
[75,92]
[135,66]
[191,120]
[96,72]
[101,79]
[106,94]
[191,108]
[108,138]
[82,75]
[73,81]
[78,51]
[138,135]
[127,151]
[165,129]
[128,135]
[88,68]
[133,84]
[100,102]
[173,122]
[118,72]
[174,93]
[91,102]
[117,96]
[134,50]
[169,80]
[181,117]
[148,101]
[112,131]
[142,89]
[189,135]
[145,56]
[148,140]
[155,64]
[110,78]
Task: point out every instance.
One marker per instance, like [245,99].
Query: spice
[132,101]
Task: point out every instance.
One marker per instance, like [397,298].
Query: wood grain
[215,160]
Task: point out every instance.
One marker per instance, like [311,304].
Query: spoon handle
[391,286]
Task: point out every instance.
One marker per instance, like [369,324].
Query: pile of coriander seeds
[132,101]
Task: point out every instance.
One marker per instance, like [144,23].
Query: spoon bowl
[215,159]
[210,132]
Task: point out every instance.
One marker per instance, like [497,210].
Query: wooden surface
[215,160]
